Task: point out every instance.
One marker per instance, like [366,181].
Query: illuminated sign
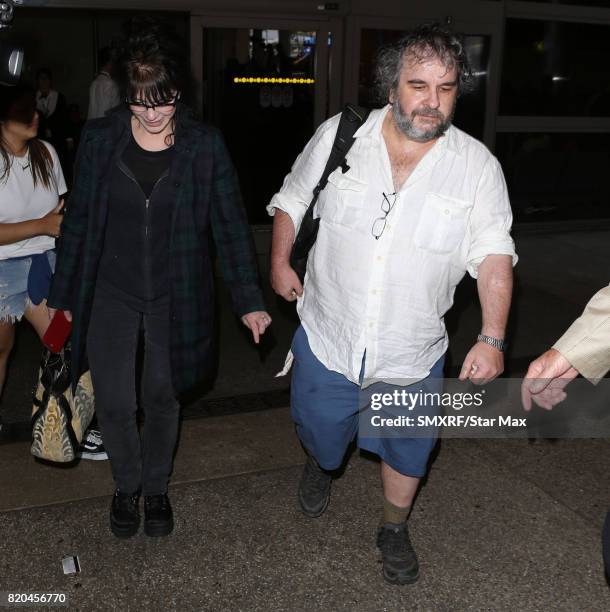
[274,80]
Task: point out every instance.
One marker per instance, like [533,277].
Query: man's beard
[407,124]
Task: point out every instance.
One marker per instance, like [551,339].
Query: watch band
[495,342]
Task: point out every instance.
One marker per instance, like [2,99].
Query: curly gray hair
[427,41]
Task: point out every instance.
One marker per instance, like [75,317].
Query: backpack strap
[352,118]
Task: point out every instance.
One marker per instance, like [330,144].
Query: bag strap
[352,118]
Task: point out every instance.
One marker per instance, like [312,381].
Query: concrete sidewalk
[499,525]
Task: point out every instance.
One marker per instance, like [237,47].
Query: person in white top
[417,204]
[103,91]
[31,184]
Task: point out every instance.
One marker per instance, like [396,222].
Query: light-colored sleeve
[491,219]
[297,191]
[103,96]
[586,343]
[108,96]
[113,96]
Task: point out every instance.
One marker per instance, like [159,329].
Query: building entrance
[266,88]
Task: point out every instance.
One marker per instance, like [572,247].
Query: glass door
[265,85]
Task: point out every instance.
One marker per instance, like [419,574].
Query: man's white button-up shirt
[388,296]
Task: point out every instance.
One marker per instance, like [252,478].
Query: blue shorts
[325,409]
[14,295]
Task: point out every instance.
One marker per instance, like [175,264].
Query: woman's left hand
[257,322]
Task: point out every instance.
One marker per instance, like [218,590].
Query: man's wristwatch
[495,342]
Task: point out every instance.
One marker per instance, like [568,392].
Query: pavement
[498,524]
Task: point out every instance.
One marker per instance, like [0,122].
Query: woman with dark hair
[151,186]
[31,183]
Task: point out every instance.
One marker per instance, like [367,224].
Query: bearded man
[416,205]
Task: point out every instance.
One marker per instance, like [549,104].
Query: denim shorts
[325,408]
[14,274]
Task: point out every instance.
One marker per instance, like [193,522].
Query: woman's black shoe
[158,516]
[125,514]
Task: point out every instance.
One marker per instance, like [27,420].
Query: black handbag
[352,118]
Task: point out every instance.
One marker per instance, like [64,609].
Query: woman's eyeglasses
[165,108]
[389,199]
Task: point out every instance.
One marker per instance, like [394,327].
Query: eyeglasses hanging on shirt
[389,199]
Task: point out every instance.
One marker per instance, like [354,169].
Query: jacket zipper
[125,170]
[149,198]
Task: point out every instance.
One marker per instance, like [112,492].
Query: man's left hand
[257,322]
[482,364]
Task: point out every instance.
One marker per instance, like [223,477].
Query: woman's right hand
[51,222]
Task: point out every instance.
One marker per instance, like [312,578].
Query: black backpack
[352,118]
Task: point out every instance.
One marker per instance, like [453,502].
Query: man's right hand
[285,282]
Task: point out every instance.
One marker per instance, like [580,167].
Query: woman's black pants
[112,343]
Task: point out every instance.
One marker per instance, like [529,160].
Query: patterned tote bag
[60,417]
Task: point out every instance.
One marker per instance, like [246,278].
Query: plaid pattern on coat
[205,196]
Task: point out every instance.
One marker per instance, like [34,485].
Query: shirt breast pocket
[342,199]
[442,223]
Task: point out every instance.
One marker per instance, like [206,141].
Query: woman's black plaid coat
[206,197]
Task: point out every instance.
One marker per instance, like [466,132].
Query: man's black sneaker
[314,489]
[400,565]
[92,446]
[125,514]
[158,516]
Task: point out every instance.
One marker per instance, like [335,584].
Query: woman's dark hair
[18,103]
[428,41]
[151,60]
